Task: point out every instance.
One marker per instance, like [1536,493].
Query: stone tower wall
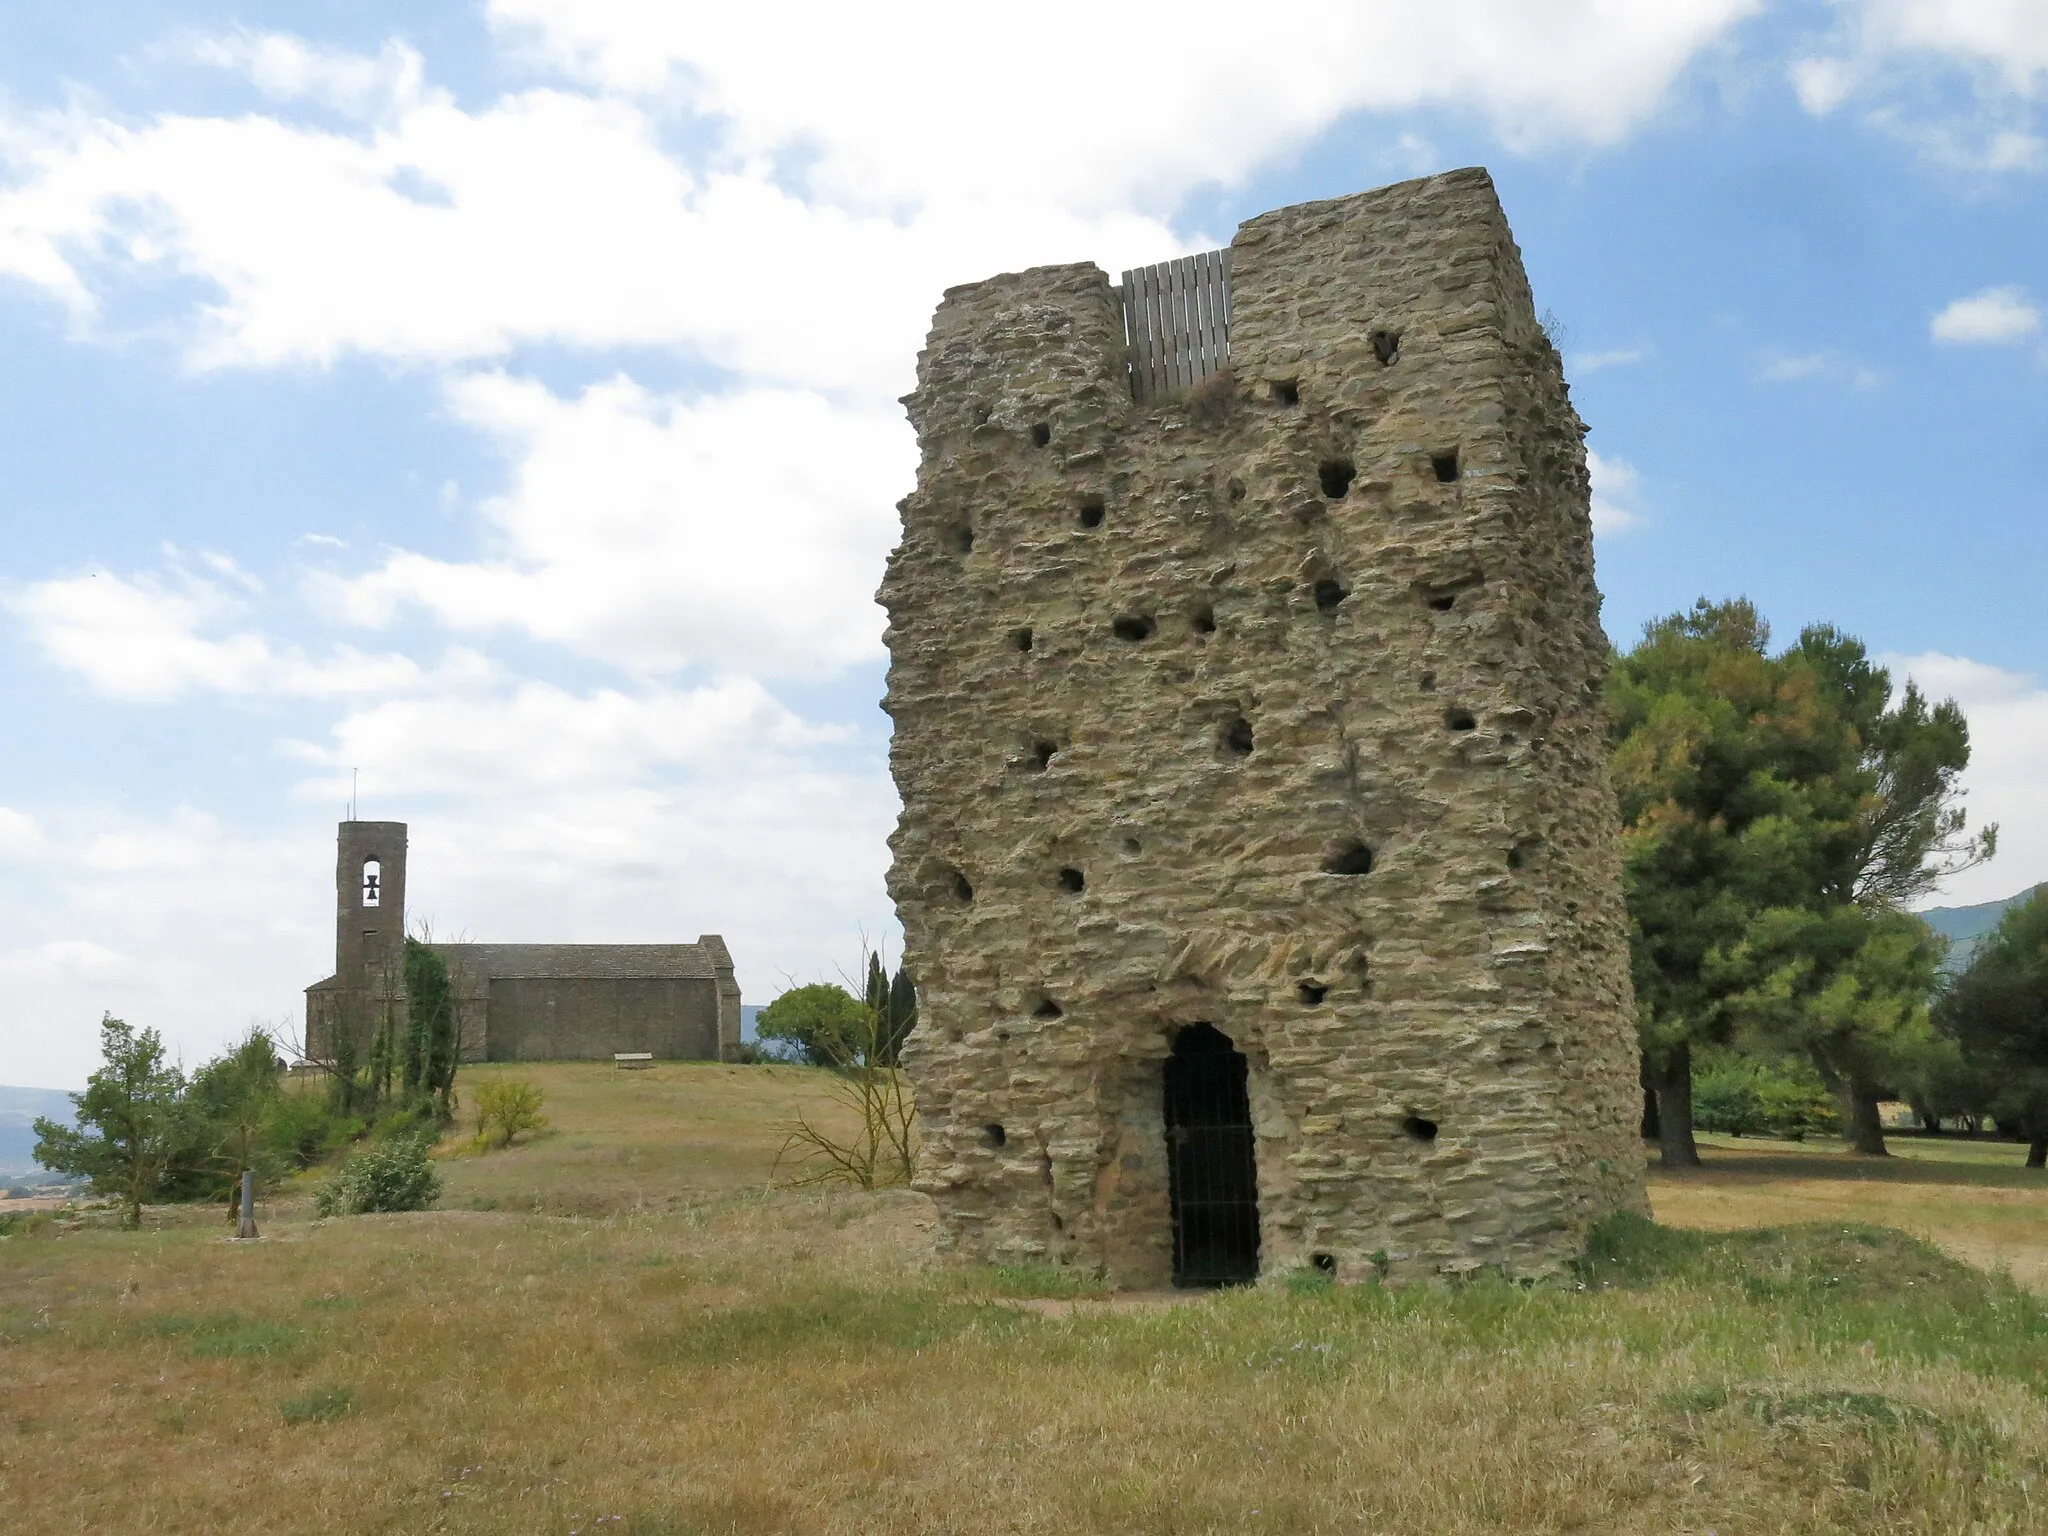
[369,942]
[1156,673]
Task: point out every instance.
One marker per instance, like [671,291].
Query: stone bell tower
[369,936]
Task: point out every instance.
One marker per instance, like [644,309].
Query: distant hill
[19,1108]
[1964,926]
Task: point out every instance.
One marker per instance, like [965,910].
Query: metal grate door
[1212,1172]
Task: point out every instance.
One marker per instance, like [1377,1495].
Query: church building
[516,1002]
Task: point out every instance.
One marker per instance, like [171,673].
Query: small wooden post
[246,1227]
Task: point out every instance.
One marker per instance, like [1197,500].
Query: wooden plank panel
[1176,323]
[1147,326]
[1133,336]
[1176,327]
[1159,309]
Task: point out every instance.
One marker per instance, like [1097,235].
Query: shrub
[383,1176]
[302,1129]
[824,1022]
[1734,1095]
[505,1109]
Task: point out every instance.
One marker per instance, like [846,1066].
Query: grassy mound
[608,1333]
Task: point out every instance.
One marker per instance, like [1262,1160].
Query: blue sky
[497,399]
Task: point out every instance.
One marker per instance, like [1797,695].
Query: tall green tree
[231,1108]
[130,1120]
[430,1046]
[1997,1013]
[1777,811]
[901,1015]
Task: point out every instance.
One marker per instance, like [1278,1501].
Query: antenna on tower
[352,793]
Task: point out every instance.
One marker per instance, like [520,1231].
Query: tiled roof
[687,962]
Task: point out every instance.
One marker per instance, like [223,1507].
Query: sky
[492,406]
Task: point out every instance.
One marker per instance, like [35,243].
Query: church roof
[567,962]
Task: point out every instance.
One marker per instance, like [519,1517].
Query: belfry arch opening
[373,883]
[1212,1168]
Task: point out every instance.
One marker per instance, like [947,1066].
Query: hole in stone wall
[1523,854]
[1311,992]
[1286,392]
[1323,1263]
[1329,593]
[1133,626]
[1460,720]
[1202,619]
[1348,857]
[1046,1009]
[1443,595]
[1041,434]
[993,1136]
[1235,739]
[1072,881]
[1133,847]
[1427,685]
[1045,1176]
[981,415]
[1419,1128]
[1386,346]
[1090,512]
[957,884]
[1445,465]
[1042,754]
[1336,476]
[1021,638]
[1236,489]
[960,538]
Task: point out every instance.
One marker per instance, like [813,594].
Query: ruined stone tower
[1257,862]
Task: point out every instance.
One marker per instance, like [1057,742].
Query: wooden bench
[632,1061]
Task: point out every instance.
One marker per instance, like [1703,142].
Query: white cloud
[743,530]
[1614,482]
[289,69]
[20,834]
[1098,105]
[177,924]
[1882,53]
[2008,715]
[1822,84]
[154,638]
[1829,366]
[538,737]
[555,217]
[2009,38]
[940,147]
[1618,357]
[1993,317]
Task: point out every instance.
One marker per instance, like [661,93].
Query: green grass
[318,1405]
[641,1335]
[229,1336]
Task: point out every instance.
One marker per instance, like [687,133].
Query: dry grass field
[622,1327]
[1972,1199]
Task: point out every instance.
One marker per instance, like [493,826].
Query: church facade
[516,1002]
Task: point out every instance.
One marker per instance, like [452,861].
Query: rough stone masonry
[1262,725]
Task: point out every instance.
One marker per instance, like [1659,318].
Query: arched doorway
[1213,1182]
